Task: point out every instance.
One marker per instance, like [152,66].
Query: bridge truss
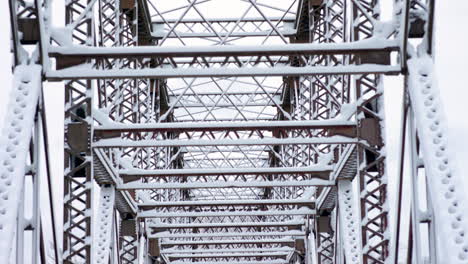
[241,131]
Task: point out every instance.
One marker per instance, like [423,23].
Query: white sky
[451,64]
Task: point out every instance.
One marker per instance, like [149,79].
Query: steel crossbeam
[282,249]
[228,255]
[90,74]
[261,202]
[262,241]
[226,51]
[318,171]
[291,233]
[151,214]
[228,184]
[237,262]
[291,225]
[221,126]
[121,143]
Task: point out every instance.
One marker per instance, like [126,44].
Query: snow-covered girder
[314,171]
[288,224]
[261,241]
[228,184]
[122,143]
[222,126]
[92,74]
[227,203]
[289,233]
[228,255]
[237,262]
[357,47]
[155,214]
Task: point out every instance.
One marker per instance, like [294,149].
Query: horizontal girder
[225,51]
[227,234]
[319,171]
[89,74]
[234,262]
[116,143]
[226,126]
[277,249]
[289,224]
[198,203]
[221,184]
[262,241]
[228,255]
[153,214]
[222,20]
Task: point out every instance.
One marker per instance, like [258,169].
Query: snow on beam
[349,222]
[257,103]
[320,170]
[222,19]
[103,237]
[220,184]
[228,255]
[83,72]
[116,143]
[154,214]
[222,126]
[224,51]
[235,262]
[296,202]
[238,34]
[237,250]
[228,234]
[445,183]
[220,225]
[14,148]
[263,241]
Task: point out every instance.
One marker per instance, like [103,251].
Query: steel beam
[219,184]
[152,214]
[121,143]
[225,51]
[228,255]
[199,203]
[318,171]
[263,241]
[291,233]
[289,224]
[226,126]
[90,74]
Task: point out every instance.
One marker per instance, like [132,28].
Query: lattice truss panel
[247,192]
[223,131]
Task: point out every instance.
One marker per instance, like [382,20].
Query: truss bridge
[216,131]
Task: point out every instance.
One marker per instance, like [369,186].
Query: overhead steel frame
[271,180]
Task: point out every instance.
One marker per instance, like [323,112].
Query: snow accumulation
[367,44]
[84,72]
[223,184]
[445,184]
[102,243]
[152,214]
[308,169]
[14,145]
[349,222]
[167,234]
[235,250]
[223,142]
[234,262]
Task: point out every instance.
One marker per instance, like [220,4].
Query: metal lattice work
[215,131]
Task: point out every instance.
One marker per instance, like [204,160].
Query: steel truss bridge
[241,132]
